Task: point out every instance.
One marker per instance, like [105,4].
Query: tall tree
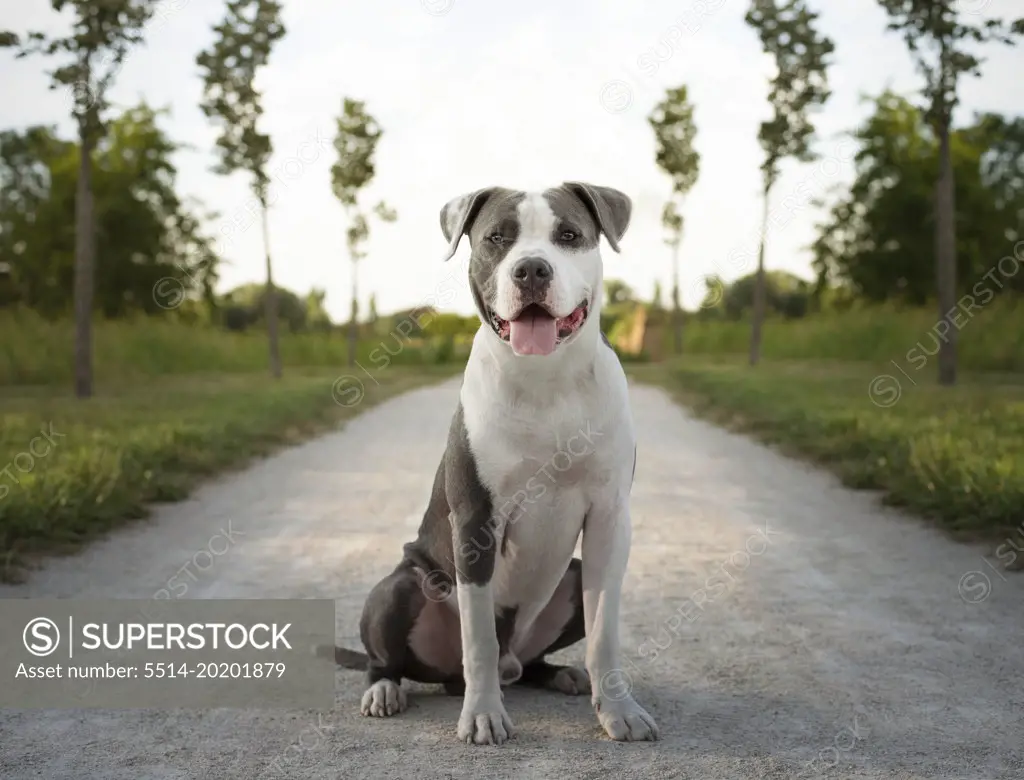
[241,47]
[786,30]
[356,144]
[372,314]
[941,39]
[672,221]
[657,304]
[102,33]
[674,135]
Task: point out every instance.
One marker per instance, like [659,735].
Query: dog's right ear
[458,214]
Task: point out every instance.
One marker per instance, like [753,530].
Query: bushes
[990,340]
[36,351]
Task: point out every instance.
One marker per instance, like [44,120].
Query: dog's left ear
[610,209]
[458,214]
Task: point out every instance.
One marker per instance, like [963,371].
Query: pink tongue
[533,334]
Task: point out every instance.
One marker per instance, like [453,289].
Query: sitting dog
[541,449]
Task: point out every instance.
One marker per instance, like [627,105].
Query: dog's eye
[497,238]
[568,236]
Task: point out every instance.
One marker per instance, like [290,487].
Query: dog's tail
[343,657]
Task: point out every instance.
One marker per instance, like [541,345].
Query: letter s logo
[41,636]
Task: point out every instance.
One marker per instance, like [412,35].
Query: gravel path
[777,624]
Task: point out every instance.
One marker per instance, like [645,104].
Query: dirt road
[777,625]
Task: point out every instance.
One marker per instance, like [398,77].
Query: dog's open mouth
[535,331]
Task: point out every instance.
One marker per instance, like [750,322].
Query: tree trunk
[677,314]
[760,290]
[353,325]
[945,255]
[85,271]
[270,302]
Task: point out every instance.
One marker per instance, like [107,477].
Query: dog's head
[535,270]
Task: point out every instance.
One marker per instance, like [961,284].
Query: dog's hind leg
[559,625]
[389,615]
[569,680]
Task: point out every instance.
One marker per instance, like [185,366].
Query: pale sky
[523,95]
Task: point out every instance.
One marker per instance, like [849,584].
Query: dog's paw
[626,721]
[484,721]
[383,699]
[571,681]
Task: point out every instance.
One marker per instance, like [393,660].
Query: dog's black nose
[533,272]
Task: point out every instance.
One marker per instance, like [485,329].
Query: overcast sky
[525,95]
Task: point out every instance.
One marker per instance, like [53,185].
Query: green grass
[990,339]
[148,441]
[36,351]
[952,454]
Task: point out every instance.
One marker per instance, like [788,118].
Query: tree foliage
[672,221]
[144,232]
[674,136]
[788,296]
[943,42]
[787,33]
[617,291]
[879,237]
[91,55]
[1002,169]
[244,307]
[356,144]
[229,67]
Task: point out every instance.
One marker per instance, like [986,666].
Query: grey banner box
[164,654]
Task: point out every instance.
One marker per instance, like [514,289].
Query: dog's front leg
[483,720]
[606,539]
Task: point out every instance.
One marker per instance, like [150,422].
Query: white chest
[540,477]
[544,460]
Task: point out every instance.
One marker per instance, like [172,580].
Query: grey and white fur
[541,449]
